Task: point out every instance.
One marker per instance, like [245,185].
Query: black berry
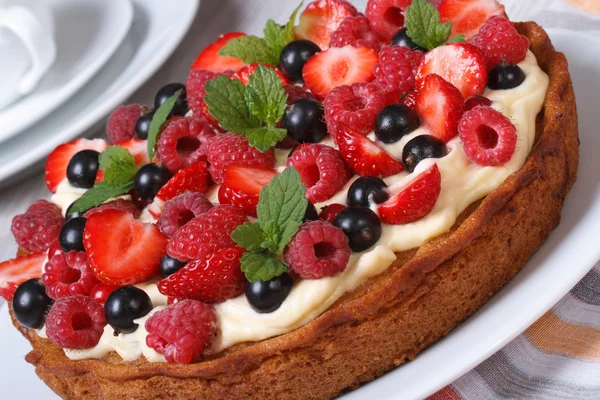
[181,106]
[149,179]
[305,122]
[401,38]
[169,265]
[294,56]
[31,303]
[71,234]
[361,226]
[83,168]
[267,296]
[70,215]
[505,76]
[311,213]
[142,125]
[421,148]
[395,121]
[365,190]
[124,305]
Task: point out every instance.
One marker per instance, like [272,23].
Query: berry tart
[309,210]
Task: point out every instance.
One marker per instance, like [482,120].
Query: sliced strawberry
[139,149]
[440,105]
[339,66]
[242,185]
[56,164]
[365,157]
[461,64]
[18,270]
[244,73]
[210,60]
[415,201]
[321,18]
[121,249]
[468,16]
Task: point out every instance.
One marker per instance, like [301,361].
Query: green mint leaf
[250,49]
[118,165]
[249,236]
[264,138]
[261,267]
[424,26]
[100,193]
[288,30]
[160,117]
[225,100]
[274,36]
[457,39]
[112,154]
[265,96]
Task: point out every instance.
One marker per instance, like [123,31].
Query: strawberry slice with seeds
[18,270]
[365,157]
[321,18]
[244,73]
[461,64]
[440,106]
[468,16]
[242,184]
[138,149]
[58,160]
[123,250]
[415,201]
[209,58]
[339,66]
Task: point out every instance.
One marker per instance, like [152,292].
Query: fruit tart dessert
[312,208]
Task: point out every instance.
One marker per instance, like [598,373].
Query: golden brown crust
[388,320]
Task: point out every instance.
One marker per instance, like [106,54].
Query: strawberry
[244,73]
[210,60]
[439,106]
[242,185]
[121,249]
[321,18]
[365,157]
[468,16]
[58,160]
[139,149]
[339,66]
[414,201]
[461,64]
[18,270]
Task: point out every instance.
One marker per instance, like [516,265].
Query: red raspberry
[75,322]
[355,31]
[397,68]
[68,275]
[489,138]
[499,40]
[203,235]
[355,107]
[331,211]
[38,227]
[120,126]
[118,204]
[321,169]
[182,331]
[183,142]
[475,101]
[296,93]
[386,17]
[229,148]
[319,249]
[195,87]
[182,209]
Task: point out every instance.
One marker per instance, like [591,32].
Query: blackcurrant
[401,38]
[395,121]
[31,303]
[421,148]
[71,234]
[365,190]
[124,305]
[305,121]
[293,57]
[267,296]
[181,105]
[361,226]
[142,125]
[149,179]
[311,213]
[83,168]
[505,76]
[169,265]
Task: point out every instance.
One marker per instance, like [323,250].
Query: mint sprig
[158,119]
[280,211]
[425,28]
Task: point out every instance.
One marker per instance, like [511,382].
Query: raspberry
[75,322]
[321,169]
[296,93]
[386,17]
[203,235]
[355,107]
[489,138]
[229,148]
[397,68]
[120,126]
[183,142]
[182,209]
[319,249]
[499,40]
[355,31]
[118,204]
[182,331]
[195,87]
[38,227]
[68,275]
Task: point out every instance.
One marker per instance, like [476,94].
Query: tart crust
[389,319]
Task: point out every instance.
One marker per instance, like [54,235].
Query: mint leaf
[112,154]
[261,267]
[457,39]
[274,36]
[97,195]
[288,30]
[250,49]
[248,236]
[424,26]
[225,100]
[265,96]
[264,138]
[118,165]
[160,117]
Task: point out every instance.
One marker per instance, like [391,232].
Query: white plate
[100,27]
[158,27]
[568,255]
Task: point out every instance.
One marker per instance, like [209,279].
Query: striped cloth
[558,357]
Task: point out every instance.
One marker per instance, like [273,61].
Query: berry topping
[196,89]
[310,214]
[163,94]
[210,60]
[121,249]
[244,73]
[328,213]
[489,138]
[304,121]
[14,272]
[170,265]
[296,93]
[124,305]
[182,331]
[415,201]
[75,322]
[321,18]
[71,234]
[421,148]
[440,105]
[150,179]
[401,38]
[339,66]
[267,296]
[394,122]
[367,190]
[293,57]
[361,226]
[506,76]
[31,303]
[386,16]
[354,31]
[120,125]
[397,68]
[318,250]
[242,185]
[321,169]
[475,101]
[68,274]
[468,16]
[83,169]
[180,210]
[410,98]
[192,179]
[138,149]
[118,204]
[499,40]
[142,125]
[100,292]
[38,227]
